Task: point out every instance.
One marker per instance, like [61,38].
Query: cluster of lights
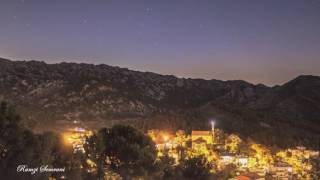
[260,160]
[76,138]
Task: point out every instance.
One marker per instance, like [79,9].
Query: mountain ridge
[51,94]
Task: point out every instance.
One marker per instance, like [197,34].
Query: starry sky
[270,41]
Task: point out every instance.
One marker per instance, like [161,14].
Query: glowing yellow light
[91,163]
[165,137]
[67,138]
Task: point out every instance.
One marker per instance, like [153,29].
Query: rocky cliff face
[102,91]
[47,93]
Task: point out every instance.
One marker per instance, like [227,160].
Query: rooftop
[202,133]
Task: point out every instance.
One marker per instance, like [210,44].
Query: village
[248,160]
[224,151]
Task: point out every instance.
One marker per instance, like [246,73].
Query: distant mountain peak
[306,78]
[303,81]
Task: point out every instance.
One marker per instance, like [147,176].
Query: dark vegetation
[20,146]
[121,150]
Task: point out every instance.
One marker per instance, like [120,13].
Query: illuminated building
[281,170]
[298,159]
[224,150]
[204,135]
[243,162]
[200,147]
[227,158]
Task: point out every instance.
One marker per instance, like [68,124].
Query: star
[149,9]
[84,21]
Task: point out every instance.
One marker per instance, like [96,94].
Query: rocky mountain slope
[54,95]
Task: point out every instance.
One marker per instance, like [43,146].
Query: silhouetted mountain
[299,99]
[55,95]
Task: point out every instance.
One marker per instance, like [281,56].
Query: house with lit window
[242,161]
[205,137]
[227,158]
[281,170]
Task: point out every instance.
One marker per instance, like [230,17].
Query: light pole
[212,129]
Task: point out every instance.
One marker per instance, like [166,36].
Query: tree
[315,168]
[124,150]
[196,168]
[228,172]
[20,146]
[95,148]
[166,166]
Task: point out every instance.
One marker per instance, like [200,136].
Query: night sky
[270,41]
